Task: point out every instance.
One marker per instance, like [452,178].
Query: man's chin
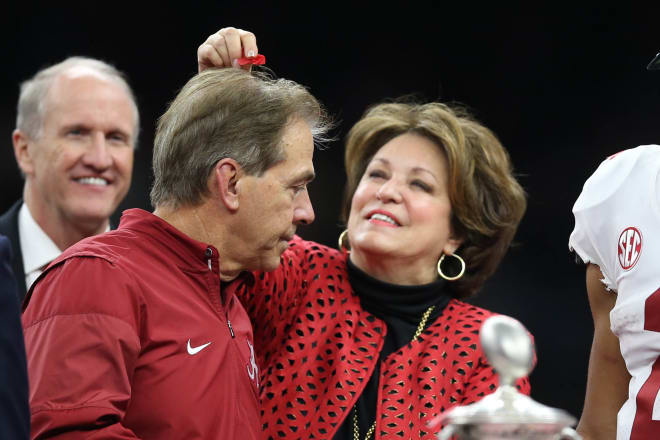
[271,264]
[92,218]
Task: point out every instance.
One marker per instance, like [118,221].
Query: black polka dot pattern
[317,348]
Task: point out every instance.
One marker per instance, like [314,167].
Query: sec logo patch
[630,247]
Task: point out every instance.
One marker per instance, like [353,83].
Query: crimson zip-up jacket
[317,348]
[128,335]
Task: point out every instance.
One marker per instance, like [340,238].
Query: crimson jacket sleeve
[82,341]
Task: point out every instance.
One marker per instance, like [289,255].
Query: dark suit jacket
[14,408]
[9,228]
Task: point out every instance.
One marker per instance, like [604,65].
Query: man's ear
[226,175]
[23,152]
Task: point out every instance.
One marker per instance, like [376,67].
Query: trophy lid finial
[508,347]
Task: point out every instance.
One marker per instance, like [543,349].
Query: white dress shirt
[36,246]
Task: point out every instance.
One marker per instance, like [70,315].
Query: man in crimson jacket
[137,333]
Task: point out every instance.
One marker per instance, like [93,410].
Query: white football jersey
[617,227]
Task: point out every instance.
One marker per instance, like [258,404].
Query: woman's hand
[225,47]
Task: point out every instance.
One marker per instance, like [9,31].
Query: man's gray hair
[226,113]
[32,102]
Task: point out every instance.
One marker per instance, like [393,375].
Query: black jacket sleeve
[14,408]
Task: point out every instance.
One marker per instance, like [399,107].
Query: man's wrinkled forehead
[297,146]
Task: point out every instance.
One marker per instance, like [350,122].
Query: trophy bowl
[507,413]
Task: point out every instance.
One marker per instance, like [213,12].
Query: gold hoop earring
[454,278]
[342,238]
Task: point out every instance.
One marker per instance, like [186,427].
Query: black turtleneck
[401,308]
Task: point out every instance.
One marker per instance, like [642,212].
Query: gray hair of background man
[32,102]
[226,113]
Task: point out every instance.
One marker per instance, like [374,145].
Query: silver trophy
[507,414]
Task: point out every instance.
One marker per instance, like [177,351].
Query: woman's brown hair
[487,201]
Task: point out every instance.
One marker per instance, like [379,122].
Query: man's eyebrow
[306,177]
[74,126]
[86,126]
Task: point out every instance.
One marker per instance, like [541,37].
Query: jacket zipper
[209,253]
[225,313]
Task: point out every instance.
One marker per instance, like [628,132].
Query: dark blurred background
[562,87]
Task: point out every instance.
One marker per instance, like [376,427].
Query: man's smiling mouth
[98,181]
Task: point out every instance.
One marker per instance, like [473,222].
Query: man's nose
[98,155]
[303,212]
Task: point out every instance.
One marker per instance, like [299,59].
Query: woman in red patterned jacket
[373,341]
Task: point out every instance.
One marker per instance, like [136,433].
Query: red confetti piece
[256,60]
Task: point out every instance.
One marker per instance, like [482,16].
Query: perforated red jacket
[317,349]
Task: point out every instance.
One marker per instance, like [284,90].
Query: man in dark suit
[75,133]
[14,408]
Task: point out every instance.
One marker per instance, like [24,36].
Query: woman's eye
[421,185]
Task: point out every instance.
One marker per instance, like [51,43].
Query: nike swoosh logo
[194,350]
